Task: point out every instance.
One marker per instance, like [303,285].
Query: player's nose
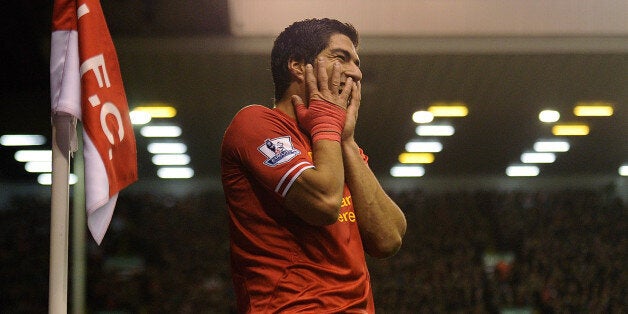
[353,71]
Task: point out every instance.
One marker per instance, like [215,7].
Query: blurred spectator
[169,254]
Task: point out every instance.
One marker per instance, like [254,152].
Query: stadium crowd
[464,252]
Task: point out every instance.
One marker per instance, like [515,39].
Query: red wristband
[323,120]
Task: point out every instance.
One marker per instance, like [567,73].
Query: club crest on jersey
[278,150]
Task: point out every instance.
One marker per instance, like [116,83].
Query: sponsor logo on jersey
[278,150]
[348,216]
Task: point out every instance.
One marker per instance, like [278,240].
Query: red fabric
[102,105]
[323,120]
[279,263]
[64,15]
[108,123]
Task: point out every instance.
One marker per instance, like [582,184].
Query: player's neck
[285,106]
[285,103]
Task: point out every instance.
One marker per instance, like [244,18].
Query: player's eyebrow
[345,54]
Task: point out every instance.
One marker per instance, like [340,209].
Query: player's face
[341,50]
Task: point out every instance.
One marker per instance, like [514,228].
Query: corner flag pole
[63,136]
[85,84]
[79,227]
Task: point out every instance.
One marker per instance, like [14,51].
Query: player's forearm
[382,223]
[316,195]
[328,168]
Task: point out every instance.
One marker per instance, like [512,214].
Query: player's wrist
[350,144]
[326,135]
[325,120]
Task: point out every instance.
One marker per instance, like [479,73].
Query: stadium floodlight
[418,146]
[167,148]
[33,155]
[157,110]
[449,109]
[537,158]
[435,130]
[416,158]
[22,140]
[139,117]
[570,129]
[522,171]
[46,179]
[170,159]
[549,116]
[551,146]
[175,172]
[422,116]
[38,166]
[160,131]
[623,170]
[406,171]
[593,109]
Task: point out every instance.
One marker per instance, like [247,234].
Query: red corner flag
[85,82]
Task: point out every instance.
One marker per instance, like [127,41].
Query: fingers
[320,81]
[348,88]
[354,102]
[320,86]
[316,82]
[299,106]
[356,93]
[322,76]
[335,79]
[296,100]
[310,80]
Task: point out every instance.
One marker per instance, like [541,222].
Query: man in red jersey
[303,204]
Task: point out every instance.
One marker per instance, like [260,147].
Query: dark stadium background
[561,236]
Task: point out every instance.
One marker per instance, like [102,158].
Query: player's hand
[324,118]
[320,87]
[352,112]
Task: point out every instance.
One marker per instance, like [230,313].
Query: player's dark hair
[303,41]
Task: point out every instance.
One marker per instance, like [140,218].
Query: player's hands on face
[352,111]
[324,94]
[320,87]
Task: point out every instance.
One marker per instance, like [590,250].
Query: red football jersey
[280,263]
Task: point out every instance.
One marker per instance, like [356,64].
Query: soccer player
[304,206]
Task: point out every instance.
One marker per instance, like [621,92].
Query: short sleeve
[269,146]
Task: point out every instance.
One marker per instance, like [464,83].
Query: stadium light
[549,116]
[422,116]
[406,171]
[416,158]
[160,131]
[435,130]
[522,171]
[424,146]
[175,172]
[540,158]
[167,148]
[22,140]
[570,129]
[551,146]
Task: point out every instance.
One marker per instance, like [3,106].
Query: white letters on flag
[85,81]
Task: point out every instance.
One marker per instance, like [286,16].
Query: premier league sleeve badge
[278,150]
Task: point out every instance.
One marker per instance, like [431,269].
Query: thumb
[298,104]
[296,100]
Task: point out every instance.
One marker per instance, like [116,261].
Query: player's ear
[297,69]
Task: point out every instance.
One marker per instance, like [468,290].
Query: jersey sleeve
[269,147]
